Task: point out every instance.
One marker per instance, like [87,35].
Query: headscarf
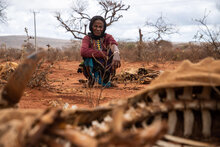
[91,34]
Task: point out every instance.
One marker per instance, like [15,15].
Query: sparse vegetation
[209,36]
[10,54]
[166,51]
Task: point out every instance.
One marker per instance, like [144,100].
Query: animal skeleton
[184,103]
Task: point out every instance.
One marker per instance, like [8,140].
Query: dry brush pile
[176,107]
[140,76]
[38,79]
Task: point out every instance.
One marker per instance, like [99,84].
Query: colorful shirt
[96,48]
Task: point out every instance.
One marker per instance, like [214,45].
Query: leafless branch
[78,22]
[208,33]
[161,28]
[64,24]
[78,8]
[111,8]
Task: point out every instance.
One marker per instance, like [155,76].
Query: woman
[100,53]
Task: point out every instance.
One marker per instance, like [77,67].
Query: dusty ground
[64,89]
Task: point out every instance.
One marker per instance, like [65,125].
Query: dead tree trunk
[140,44]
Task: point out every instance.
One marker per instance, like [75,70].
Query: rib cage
[186,100]
[142,113]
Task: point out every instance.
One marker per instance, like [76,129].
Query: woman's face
[98,27]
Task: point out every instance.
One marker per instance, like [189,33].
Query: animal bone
[172,116]
[186,141]
[206,123]
[206,116]
[12,92]
[188,114]
[129,123]
[188,122]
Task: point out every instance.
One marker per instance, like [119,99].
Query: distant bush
[71,53]
[10,54]
[129,51]
[166,51]
[28,48]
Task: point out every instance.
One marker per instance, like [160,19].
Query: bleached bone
[172,116]
[141,104]
[136,114]
[133,128]
[130,114]
[95,123]
[188,142]
[89,131]
[162,143]
[77,138]
[156,99]
[102,127]
[117,122]
[170,94]
[188,122]
[206,116]
[144,124]
[188,114]
[172,121]
[108,118]
[206,123]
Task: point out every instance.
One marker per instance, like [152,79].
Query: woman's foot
[91,82]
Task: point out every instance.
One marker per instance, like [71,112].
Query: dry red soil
[65,90]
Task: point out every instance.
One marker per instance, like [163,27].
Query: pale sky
[178,12]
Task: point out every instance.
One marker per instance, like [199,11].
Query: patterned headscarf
[91,24]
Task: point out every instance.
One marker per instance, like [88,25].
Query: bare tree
[3,7]
[28,37]
[110,10]
[78,21]
[161,28]
[140,45]
[158,30]
[208,33]
[27,46]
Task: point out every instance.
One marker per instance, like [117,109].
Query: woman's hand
[116,63]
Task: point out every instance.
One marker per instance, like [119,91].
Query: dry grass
[149,52]
[10,54]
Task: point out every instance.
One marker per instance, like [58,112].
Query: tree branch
[161,28]
[78,22]
[206,33]
[68,29]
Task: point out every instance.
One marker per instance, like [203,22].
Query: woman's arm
[88,52]
[116,53]
[116,63]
